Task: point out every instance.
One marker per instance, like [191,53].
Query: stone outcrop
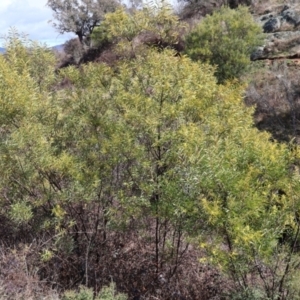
[281,25]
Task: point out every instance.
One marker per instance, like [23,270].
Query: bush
[74,48]
[107,293]
[226,39]
[248,294]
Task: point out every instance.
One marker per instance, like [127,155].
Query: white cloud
[30,17]
[4,4]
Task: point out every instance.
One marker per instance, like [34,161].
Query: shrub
[248,294]
[106,293]
[155,25]
[226,39]
[75,49]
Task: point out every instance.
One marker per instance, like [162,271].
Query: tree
[153,144]
[225,39]
[186,154]
[80,16]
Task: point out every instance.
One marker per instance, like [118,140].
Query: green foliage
[83,294]
[80,17]
[248,294]
[191,154]
[31,56]
[155,138]
[106,293]
[225,39]
[20,212]
[109,293]
[155,23]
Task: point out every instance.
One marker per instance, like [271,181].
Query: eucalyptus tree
[80,16]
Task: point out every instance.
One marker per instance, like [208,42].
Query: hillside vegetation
[133,169]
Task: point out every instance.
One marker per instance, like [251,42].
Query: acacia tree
[182,152]
[154,142]
[80,16]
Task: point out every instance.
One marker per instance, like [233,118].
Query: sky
[31,17]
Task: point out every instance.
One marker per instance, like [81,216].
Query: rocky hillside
[274,81]
[281,25]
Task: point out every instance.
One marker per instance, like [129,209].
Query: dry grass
[260,7]
[19,278]
[275,91]
[126,257]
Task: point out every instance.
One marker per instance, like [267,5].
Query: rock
[257,54]
[272,25]
[291,16]
[281,25]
